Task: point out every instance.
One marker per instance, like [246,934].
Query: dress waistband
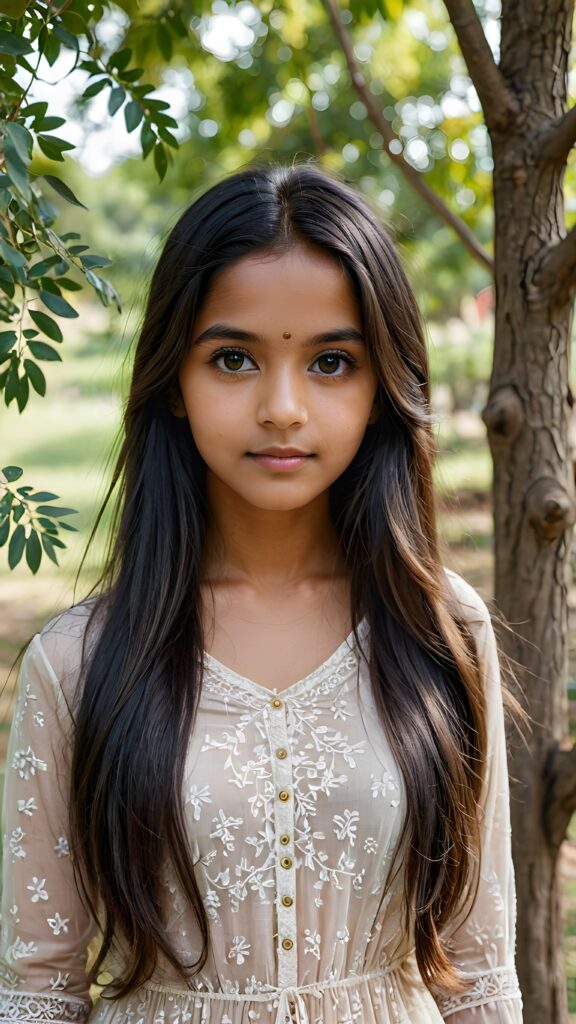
[288,1002]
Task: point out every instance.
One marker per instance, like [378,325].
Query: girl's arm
[45,928]
[483,946]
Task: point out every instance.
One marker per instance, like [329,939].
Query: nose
[282,400]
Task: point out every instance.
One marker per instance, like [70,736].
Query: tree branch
[555,139]
[466,236]
[556,273]
[499,103]
[560,796]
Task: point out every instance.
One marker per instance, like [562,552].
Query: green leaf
[132,75]
[16,169]
[21,140]
[40,350]
[56,511]
[63,190]
[4,530]
[11,255]
[12,43]
[11,386]
[15,8]
[52,48]
[12,473]
[50,151]
[33,551]
[69,285]
[160,160]
[34,109]
[48,124]
[56,143]
[16,546]
[43,496]
[22,393]
[95,87]
[88,262]
[38,269]
[120,59]
[164,41]
[147,138]
[117,97]
[167,136]
[49,549]
[57,304]
[35,376]
[48,525]
[46,324]
[7,340]
[133,114]
[65,37]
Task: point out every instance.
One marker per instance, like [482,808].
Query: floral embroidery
[25,762]
[239,949]
[346,825]
[27,806]
[19,950]
[197,796]
[15,843]
[37,888]
[58,924]
[313,941]
[387,783]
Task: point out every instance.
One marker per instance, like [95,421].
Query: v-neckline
[317,674]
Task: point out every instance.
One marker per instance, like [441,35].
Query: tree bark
[527,417]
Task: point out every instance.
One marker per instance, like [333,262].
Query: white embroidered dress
[294,802]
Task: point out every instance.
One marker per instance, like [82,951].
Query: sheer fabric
[293,803]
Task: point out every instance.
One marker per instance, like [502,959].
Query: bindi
[286,334]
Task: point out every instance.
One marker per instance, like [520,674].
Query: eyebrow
[236,334]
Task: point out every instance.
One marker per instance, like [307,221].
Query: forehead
[300,282]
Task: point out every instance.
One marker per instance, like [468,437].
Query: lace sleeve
[45,927]
[483,946]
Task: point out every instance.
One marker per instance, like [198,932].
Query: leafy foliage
[36,261]
[16,511]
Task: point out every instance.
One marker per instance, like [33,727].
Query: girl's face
[257,375]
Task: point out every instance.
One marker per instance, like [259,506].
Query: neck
[269,550]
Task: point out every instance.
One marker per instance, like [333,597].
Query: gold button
[286,862]
[287,901]
[287,943]
[284,794]
[277,703]
[281,753]
[285,839]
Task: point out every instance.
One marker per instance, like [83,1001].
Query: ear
[175,403]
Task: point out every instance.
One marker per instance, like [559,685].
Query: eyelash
[345,356]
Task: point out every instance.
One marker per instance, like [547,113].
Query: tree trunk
[527,416]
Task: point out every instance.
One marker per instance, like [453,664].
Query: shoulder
[61,640]
[471,606]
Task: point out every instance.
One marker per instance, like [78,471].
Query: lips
[282,453]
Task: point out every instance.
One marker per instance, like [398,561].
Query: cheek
[212,418]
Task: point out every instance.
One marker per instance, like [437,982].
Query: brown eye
[233,360]
[331,363]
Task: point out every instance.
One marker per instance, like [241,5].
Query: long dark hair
[142,682]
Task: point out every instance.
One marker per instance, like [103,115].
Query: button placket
[283,781]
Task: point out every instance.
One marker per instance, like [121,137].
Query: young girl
[264,766]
